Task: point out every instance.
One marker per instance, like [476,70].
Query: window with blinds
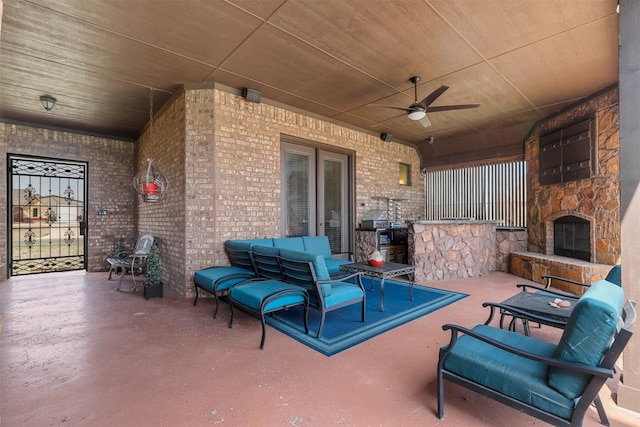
[490,192]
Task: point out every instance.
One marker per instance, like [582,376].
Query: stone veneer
[447,250]
[507,240]
[533,266]
[596,199]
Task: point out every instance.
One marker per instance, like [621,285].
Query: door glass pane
[297,194]
[333,207]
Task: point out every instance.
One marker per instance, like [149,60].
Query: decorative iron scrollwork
[29,238]
[68,236]
[68,195]
[30,194]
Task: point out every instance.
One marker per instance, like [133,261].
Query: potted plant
[153,274]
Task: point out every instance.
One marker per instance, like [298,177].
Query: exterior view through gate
[47,215]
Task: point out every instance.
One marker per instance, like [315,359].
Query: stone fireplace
[573,209]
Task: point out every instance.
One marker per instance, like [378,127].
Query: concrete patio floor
[75,353]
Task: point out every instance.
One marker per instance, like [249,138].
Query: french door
[47,215]
[315,194]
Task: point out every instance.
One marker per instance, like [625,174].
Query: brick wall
[232,174]
[596,199]
[221,155]
[110,170]
[166,219]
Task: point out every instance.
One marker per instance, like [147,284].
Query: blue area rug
[343,327]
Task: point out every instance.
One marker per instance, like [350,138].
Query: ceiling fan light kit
[417,114]
[418,110]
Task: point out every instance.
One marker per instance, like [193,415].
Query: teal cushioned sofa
[318,245]
[553,382]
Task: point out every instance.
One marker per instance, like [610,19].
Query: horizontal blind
[491,192]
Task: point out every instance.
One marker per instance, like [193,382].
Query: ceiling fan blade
[428,100]
[451,107]
[425,121]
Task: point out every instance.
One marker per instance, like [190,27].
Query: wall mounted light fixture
[251,95]
[47,102]
[387,137]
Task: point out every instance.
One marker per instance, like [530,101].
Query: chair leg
[525,326]
[195,301]
[306,319]
[601,412]
[117,288]
[231,317]
[264,331]
[133,275]
[215,312]
[440,395]
[322,316]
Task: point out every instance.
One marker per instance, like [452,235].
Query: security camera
[430,140]
[423,171]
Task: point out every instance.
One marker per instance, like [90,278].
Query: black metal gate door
[47,215]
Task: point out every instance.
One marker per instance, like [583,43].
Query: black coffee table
[537,303]
[387,270]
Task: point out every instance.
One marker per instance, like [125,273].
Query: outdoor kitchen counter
[452,249]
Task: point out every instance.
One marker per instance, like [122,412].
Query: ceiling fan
[418,110]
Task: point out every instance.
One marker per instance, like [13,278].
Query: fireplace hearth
[571,237]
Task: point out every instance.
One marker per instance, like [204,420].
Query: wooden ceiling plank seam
[120,34]
[486,60]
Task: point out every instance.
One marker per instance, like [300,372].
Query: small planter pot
[152,291]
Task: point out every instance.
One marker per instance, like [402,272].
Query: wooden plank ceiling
[521,60]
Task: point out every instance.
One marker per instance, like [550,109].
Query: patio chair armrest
[337,279]
[549,278]
[121,254]
[515,312]
[340,278]
[550,361]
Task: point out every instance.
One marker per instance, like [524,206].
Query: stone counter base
[452,250]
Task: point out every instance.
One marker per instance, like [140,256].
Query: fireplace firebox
[571,237]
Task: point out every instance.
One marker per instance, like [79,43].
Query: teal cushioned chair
[320,245]
[555,383]
[261,296]
[309,271]
[219,279]
[265,262]
[289,243]
[266,292]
